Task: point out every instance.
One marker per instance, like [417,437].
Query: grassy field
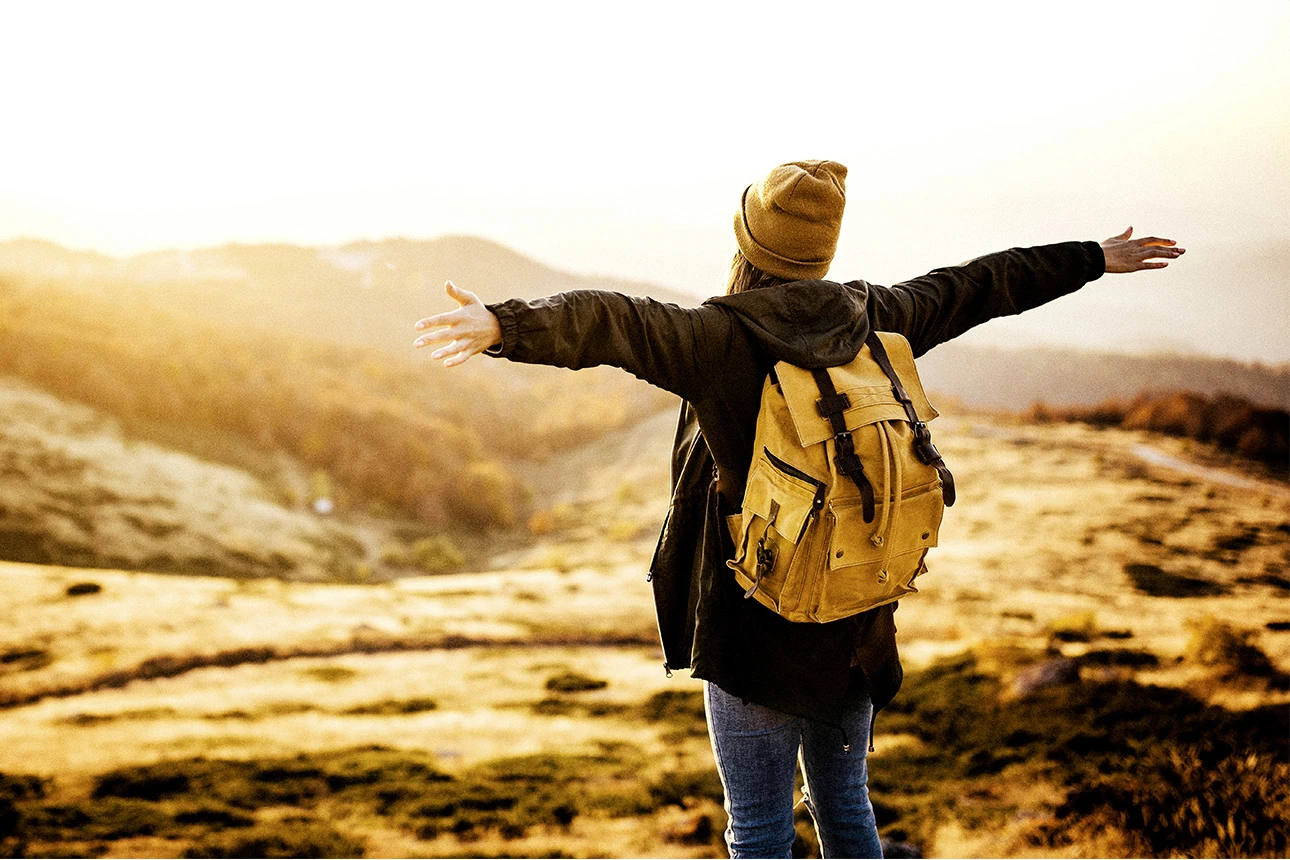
[1096,667]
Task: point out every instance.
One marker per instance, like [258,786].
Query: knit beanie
[788,223]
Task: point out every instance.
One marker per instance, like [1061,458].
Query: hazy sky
[616,138]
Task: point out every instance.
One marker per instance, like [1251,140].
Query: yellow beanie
[788,223]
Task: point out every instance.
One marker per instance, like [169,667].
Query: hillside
[382,427]
[76,491]
[368,293]
[73,491]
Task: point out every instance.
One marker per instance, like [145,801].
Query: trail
[1146,453]
[1156,457]
[171,666]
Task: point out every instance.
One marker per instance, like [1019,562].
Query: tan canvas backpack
[846,490]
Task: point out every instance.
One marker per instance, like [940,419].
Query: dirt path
[1156,457]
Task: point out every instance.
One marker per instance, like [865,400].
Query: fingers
[452,348]
[458,358]
[463,297]
[1156,242]
[447,318]
[1122,237]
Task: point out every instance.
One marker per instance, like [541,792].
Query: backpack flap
[864,384]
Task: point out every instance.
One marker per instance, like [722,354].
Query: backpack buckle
[765,558]
[923,443]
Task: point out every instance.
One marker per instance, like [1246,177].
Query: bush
[283,839]
[1229,651]
[573,682]
[394,708]
[1075,735]
[1192,800]
[484,496]
[1157,582]
[1233,424]
[436,554]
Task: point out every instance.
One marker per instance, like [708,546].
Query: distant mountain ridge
[369,292]
[996,378]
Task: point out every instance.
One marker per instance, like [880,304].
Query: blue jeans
[757,751]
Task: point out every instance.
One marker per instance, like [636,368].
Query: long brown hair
[744,276]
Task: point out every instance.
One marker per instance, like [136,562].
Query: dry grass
[1034,565]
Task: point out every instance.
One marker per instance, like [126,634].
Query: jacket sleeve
[664,344]
[947,302]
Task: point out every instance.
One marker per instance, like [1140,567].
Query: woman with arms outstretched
[774,689]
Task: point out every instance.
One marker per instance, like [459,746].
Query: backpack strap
[831,405]
[923,446]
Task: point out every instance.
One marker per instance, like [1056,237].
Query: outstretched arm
[944,303]
[672,347]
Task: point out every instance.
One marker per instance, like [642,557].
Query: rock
[1050,673]
[689,829]
[900,850]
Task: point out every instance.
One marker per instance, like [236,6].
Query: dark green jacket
[716,358]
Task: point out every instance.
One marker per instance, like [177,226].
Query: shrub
[1079,627]
[106,818]
[1157,582]
[330,674]
[394,708]
[1232,423]
[573,682]
[484,496]
[282,839]
[1229,651]
[1192,800]
[683,788]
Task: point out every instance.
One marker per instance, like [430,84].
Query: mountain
[997,378]
[363,293]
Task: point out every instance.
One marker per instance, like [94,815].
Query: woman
[774,689]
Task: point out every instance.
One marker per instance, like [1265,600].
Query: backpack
[846,490]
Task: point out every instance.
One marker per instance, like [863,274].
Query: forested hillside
[431,442]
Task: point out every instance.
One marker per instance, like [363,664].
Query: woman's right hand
[469,330]
[1124,254]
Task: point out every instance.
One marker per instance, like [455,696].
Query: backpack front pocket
[778,507]
[873,563]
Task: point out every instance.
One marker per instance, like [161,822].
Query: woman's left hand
[1126,254]
[469,330]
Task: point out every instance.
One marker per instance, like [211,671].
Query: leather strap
[831,405]
[923,446]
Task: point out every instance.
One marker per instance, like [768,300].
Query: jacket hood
[806,323]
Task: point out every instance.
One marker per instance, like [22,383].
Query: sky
[616,138]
